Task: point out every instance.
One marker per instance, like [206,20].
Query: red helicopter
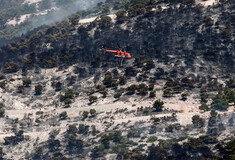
[119,52]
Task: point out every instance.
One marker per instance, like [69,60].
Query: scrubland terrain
[63,97]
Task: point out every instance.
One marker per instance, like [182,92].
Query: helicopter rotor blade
[119,46]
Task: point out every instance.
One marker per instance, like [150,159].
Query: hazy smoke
[63,9]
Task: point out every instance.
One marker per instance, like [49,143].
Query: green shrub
[102,90]
[63,115]
[82,129]
[3,84]
[2,76]
[14,140]
[171,83]
[2,110]
[117,95]
[184,96]
[188,82]
[169,128]
[204,96]
[93,99]
[134,133]
[50,62]
[104,20]
[142,89]
[151,139]
[204,107]
[92,112]
[74,19]
[229,95]
[101,87]
[27,82]
[72,129]
[156,120]
[168,92]
[153,129]
[131,89]
[108,79]
[158,105]
[177,89]
[93,131]
[69,94]
[213,85]
[105,140]
[39,112]
[152,94]
[104,93]
[27,62]
[98,151]
[92,91]
[146,111]
[38,152]
[38,89]
[121,15]
[230,149]
[85,114]
[194,143]
[136,10]
[122,80]
[67,97]
[116,136]
[220,102]
[37,120]
[11,67]
[208,139]
[74,143]
[197,121]
[67,101]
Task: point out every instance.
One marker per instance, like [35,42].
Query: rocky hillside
[62,97]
